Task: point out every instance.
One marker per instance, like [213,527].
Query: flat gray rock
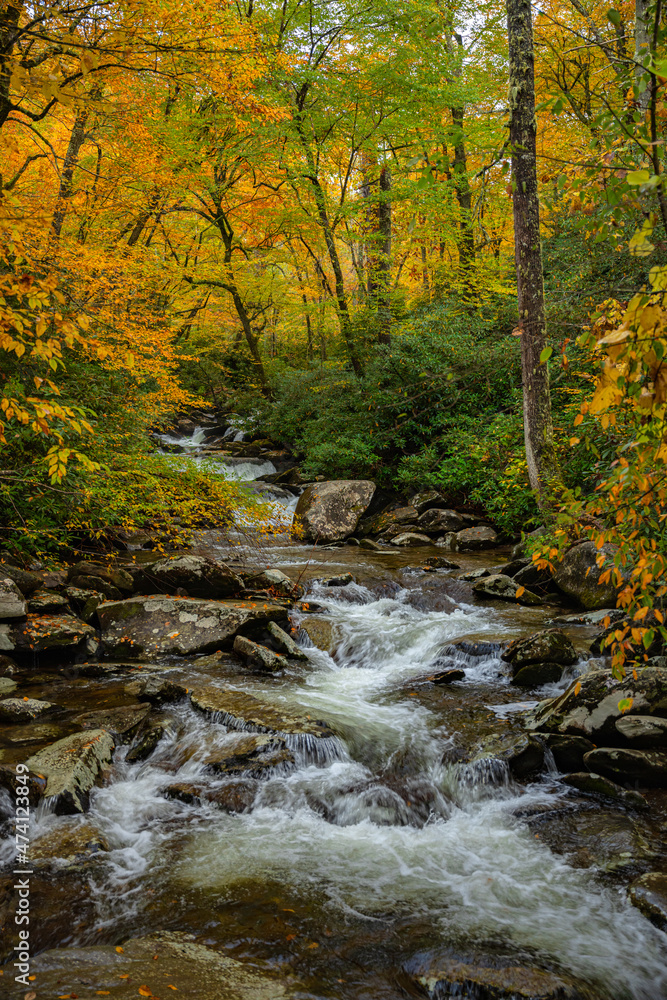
[20,710]
[258,656]
[243,712]
[643,732]
[330,511]
[12,601]
[144,627]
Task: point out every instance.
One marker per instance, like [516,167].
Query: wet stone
[474,574]
[509,982]
[276,582]
[180,963]
[410,538]
[34,732]
[481,537]
[155,689]
[12,601]
[85,602]
[71,841]
[258,656]
[7,685]
[649,894]
[249,754]
[447,676]
[643,732]
[120,722]
[338,581]
[285,642]
[321,632]
[50,632]
[647,768]
[536,674]
[550,645]
[595,784]
[21,710]
[241,711]
[568,751]
[145,745]
[440,562]
[503,588]
[72,766]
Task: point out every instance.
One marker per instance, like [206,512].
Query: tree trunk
[642,48]
[76,141]
[538,427]
[466,236]
[10,13]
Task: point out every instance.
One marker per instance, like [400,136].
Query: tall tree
[537,421]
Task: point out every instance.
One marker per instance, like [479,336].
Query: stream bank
[378,812]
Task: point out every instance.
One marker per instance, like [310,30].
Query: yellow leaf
[520,591]
[119,949]
[144,991]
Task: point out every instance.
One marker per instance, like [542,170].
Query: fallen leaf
[119,949]
[30,996]
[170,987]
[145,991]
[577,687]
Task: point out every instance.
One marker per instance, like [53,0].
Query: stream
[379,854]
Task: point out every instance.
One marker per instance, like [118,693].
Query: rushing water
[382,853]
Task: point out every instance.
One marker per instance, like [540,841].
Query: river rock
[649,894]
[97,583]
[12,601]
[156,689]
[643,732]
[41,633]
[285,642]
[435,520]
[523,755]
[596,784]
[276,581]
[46,602]
[449,978]
[71,841]
[243,712]
[330,511]
[548,645]
[321,632]
[410,538]
[647,768]
[72,766]
[473,574]
[85,602]
[481,537]
[503,588]
[7,685]
[258,656]
[93,572]
[168,958]
[536,674]
[578,576]
[21,710]
[146,744]
[393,518]
[589,707]
[26,581]
[441,562]
[605,837]
[368,543]
[426,500]
[156,626]
[635,650]
[249,754]
[199,576]
[342,580]
[121,722]
[568,751]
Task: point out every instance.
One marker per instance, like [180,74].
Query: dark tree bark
[466,236]
[76,141]
[538,427]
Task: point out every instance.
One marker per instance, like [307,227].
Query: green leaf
[546,354]
[637,177]
[614,16]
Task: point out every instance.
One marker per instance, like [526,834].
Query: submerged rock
[72,766]
[122,722]
[72,842]
[578,576]
[258,656]
[12,601]
[330,511]
[536,674]
[481,537]
[199,576]
[368,543]
[568,751]
[649,894]
[589,707]
[155,626]
[321,632]
[145,745]
[168,958]
[450,978]
[644,767]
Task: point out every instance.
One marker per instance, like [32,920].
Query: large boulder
[258,656]
[276,581]
[498,981]
[116,576]
[590,706]
[550,645]
[144,627]
[578,576]
[329,512]
[649,894]
[72,766]
[481,537]
[21,710]
[47,602]
[199,576]
[251,754]
[25,580]
[389,519]
[643,732]
[12,601]
[425,500]
[503,588]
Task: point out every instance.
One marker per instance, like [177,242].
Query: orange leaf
[145,991]
[170,987]
[119,949]
[520,591]
[577,687]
